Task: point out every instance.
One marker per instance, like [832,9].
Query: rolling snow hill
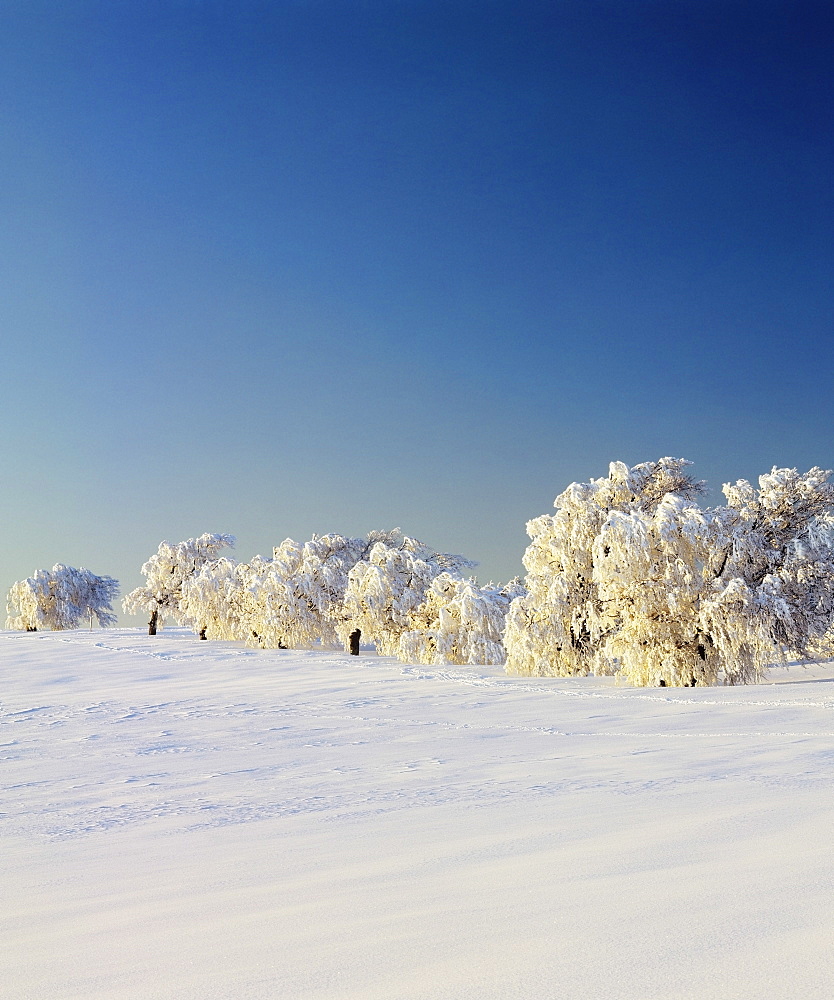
[192,820]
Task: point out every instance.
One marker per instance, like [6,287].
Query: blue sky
[294,267]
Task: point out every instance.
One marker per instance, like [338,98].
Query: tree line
[629,577]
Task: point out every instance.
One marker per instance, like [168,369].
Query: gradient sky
[293,267]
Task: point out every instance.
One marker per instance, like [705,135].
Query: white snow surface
[185,819]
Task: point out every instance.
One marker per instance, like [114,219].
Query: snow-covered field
[199,820]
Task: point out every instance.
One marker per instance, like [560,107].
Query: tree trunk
[153,621]
[354,642]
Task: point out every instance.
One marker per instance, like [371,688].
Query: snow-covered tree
[459,622]
[386,589]
[722,591]
[294,600]
[166,571]
[557,627]
[274,610]
[311,605]
[778,542]
[653,570]
[61,598]
[216,601]
[628,578]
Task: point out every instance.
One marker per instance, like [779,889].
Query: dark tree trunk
[354,642]
[153,621]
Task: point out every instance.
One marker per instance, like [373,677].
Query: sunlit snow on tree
[631,576]
[293,600]
[385,590]
[459,622]
[61,598]
[165,573]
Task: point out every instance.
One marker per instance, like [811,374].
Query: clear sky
[276,268]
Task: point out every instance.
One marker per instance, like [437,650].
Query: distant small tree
[165,573]
[61,598]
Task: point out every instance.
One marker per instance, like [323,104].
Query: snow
[185,819]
